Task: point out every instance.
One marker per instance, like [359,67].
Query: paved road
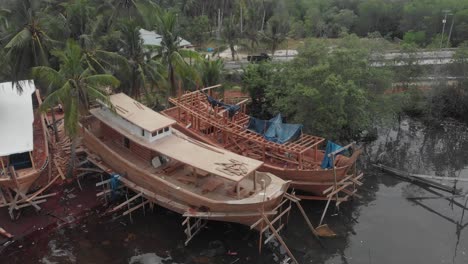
[387,59]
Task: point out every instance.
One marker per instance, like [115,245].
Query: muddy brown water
[385,226]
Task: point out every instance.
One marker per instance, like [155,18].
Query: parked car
[258,58]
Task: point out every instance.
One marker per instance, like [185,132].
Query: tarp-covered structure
[327,162]
[275,130]
[16,118]
[232,109]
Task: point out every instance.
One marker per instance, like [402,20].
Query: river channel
[394,221]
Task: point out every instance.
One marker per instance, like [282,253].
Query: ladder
[193,226]
[279,221]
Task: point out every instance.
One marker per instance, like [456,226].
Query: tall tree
[277,29]
[210,71]
[74,86]
[28,46]
[170,52]
[231,35]
[140,71]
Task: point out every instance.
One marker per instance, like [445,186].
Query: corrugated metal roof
[16,118]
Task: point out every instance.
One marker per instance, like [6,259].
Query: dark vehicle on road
[258,58]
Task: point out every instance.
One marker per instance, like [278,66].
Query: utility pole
[450,31]
[444,21]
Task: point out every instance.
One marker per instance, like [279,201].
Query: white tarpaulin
[16,118]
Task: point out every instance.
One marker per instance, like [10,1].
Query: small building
[151,38]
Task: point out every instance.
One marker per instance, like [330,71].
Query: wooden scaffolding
[196,113]
[269,223]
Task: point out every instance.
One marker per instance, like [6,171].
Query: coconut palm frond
[99,80]
[48,75]
[20,40]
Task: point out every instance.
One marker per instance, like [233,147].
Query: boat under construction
[175,171]
[24,155]
[283,148]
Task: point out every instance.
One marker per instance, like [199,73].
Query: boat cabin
[148,142]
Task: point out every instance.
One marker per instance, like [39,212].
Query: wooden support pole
[32,160]
[278,237]
[3,166]
[59,169]
[4,233]
[334,175]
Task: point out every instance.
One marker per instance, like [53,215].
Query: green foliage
[330,90]
[415,37]
[275,34]
[170,53]
[257,79]
[75,85]
[210,71]
[138,72]
[199,27]
[230,34]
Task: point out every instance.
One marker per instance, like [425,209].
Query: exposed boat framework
[298,160]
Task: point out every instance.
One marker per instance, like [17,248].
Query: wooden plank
[277,218]
[352,193]
[280,240]
[229,214]
[4,233]
[341,149]
[59,169]
[318,198]
[136,207]
[416,180]
[342,182]
[273,235]
[126,202]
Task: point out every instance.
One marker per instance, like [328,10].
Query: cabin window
[155,133]
[142,132]
[21,161]
[166,129]
[160,131]
[126,142]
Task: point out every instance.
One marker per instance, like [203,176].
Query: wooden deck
[183,177]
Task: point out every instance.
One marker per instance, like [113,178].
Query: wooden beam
[136,207]
[32,160]
[280,240]
[3,165]
[59,169]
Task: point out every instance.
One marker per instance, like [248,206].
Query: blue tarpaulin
[232,109]
[258,125]
[114,184]
[327,162]
[275,130]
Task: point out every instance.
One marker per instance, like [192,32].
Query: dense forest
[417,21]
[76,50]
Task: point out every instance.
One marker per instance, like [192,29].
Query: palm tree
[75,85]
[170,53]
[4,19]
[140,71]
[29,46]
[210,71]
[231,35]
[277,28]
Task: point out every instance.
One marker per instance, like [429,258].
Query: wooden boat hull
[27,177]
[311,181]
[176,195]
